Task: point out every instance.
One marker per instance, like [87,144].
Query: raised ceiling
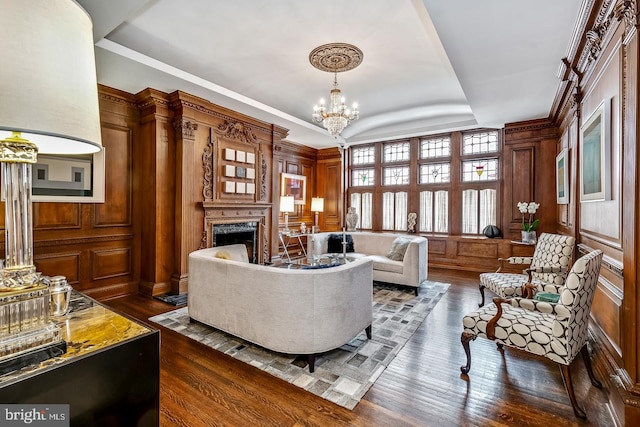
[428,66]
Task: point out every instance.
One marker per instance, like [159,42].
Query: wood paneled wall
[181,146]
[96,246]
[602,66]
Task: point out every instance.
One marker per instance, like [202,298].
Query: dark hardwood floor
[423,385]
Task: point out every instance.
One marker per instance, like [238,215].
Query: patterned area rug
[342,375]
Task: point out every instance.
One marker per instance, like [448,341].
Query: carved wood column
[185,241]
[154,182]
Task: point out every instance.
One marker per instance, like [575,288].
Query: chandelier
[335,58]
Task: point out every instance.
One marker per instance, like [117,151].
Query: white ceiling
[429,65]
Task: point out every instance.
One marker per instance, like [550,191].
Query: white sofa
[303,312]
[411,271]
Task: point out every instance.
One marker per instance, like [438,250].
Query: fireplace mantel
[231,213]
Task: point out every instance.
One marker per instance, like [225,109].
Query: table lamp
[317,206]
[286,206]
[49,104]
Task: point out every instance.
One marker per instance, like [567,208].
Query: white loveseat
[410,271]
[303,312]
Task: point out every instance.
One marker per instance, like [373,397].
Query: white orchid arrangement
[529,208]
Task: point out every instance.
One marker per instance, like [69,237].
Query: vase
[352,219]
[528,236]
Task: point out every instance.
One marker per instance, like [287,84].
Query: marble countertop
[88,327]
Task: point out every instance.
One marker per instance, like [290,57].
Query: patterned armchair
[547,271]
[557,331]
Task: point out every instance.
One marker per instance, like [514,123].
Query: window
[480,142]
[478,210]
[397,151]
[363,202]
[479,180]
[396,175]
[480,170]
[394,211]
[363,155]
[435,147]
[362,177]
[432,176]
[434,211]
[433,173]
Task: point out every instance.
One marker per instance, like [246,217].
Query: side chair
[557,331]
[547,269]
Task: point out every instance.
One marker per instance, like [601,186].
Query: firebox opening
[240,233]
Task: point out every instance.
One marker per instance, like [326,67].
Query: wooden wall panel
[116,211]
[521,180]
[62,264]
[481,250]
[110,263]
[65,234]
[47,216]
[329,187]
[596,70]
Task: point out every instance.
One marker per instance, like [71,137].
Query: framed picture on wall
[595,155]
[296,186]
[562,177]
[69,178]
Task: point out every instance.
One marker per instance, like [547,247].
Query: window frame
[414,187]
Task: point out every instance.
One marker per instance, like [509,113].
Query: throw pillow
[398,249]
[334,243]
[223,255]
[547,297]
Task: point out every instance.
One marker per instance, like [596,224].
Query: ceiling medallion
[335,57]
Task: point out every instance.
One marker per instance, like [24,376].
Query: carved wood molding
[207,166]
[263,177]
[210,112]
[79,240]
[185,129]
[265,241]
[626,10]
[575,101]
[598,35]
[233,129]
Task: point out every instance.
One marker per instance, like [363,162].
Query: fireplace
[244,233]
[226,223]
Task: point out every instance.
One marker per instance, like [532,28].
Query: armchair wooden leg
[587,363]
[368,331]
[481,287]
[465,338]
[568,385]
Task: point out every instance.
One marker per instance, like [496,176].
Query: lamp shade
[286,204]
[317,204]
[48,76]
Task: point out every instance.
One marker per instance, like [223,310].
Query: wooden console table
[110,374]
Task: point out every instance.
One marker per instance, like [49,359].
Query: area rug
[173,299]
[343,375]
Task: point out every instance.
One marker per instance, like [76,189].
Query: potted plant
[529,226]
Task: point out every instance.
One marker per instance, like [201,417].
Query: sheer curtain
[426,211]
[442,212]
[366,218]
[401,211]
[470,212]
[356,203]
[387,211]
[488,208]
